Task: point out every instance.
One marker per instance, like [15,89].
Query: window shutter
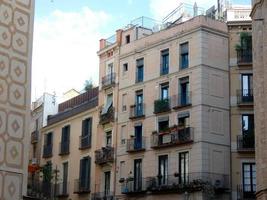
[90,129]
[89,172]
[83,127]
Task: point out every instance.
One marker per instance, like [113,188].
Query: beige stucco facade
[208,77]
[259,17]
[16,33]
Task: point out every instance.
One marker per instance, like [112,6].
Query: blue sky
[67,33]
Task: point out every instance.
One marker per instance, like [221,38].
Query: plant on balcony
[173,128]
[162,105]
[245,41]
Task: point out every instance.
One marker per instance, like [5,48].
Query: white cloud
[65,46]
[161,9]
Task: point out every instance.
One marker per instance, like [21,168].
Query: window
[164,68]
[163,170]
[164,91]
[109,139]
[183,167]
[248,124]
[107,183]
[249,179]
[184,56]
[108,105]
[65,167]
[122,169]
[163,124]
[128,39]
[183,120]
[86,133]
[247,85]
[49,139]
[109,69]
[139,70]
[65,134]
[184,96]
[36,124]
[123,132]
[138,175]
[85,170]
[124,107]
[125,68]
[139,98]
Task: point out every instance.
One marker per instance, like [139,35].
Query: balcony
[81,186]
[173,137]
[162,105]
[246,143]
[34,137]
[241,195]
[47,151]
[103,196]
[135,144]
[139,77]
[64,148]
[133,187]
[104,155]
[62,189]
[191,182]
[182,100]
[245,97]
[108,80]
[107,117]
[85,142]
[244,56]
[164,70]
[39,190]
[137,111]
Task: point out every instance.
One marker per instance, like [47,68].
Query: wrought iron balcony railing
[81,186]
[182,100]
[47,151]
[164,70]
[245,195]
[64,148]
[172,137]
[137,111]
[34,137]
[104,155]
[107,195]
[107,117]
[246,143]
[136,144]
[133,186]
[162,105]
[245,97]
[85,141]
[244,56]
[108,80]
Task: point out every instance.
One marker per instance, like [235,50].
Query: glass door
[138,175]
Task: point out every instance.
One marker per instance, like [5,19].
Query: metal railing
[241,195]
[164,70]
[39,189]
[244,96]
[85,141]
[246,142]
[107,117]
[172,137]
[139,77]
[62,189]
[132,186]
[47,151]
[137,110]
[189,182]
[182,100]
[34,137]
[81,186]
[104,155]
[110,41]
[107,195]
[64,148]
[162,105]
[244,56]
[135,144]
[108,80]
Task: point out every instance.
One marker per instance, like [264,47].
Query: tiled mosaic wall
[16,28]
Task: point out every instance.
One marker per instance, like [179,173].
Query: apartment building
[41,108]
[259,17]
[68,146]
[172,133]
[241,106]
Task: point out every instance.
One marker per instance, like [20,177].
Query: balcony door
[138,175]
[138,137]
[65,178]
[183,167]
[164,91]
[110,69]
[107,176]
[139,103]
[184,91]
[249,180]
[247,87]
[248,130]
[163,170]
[85,173]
